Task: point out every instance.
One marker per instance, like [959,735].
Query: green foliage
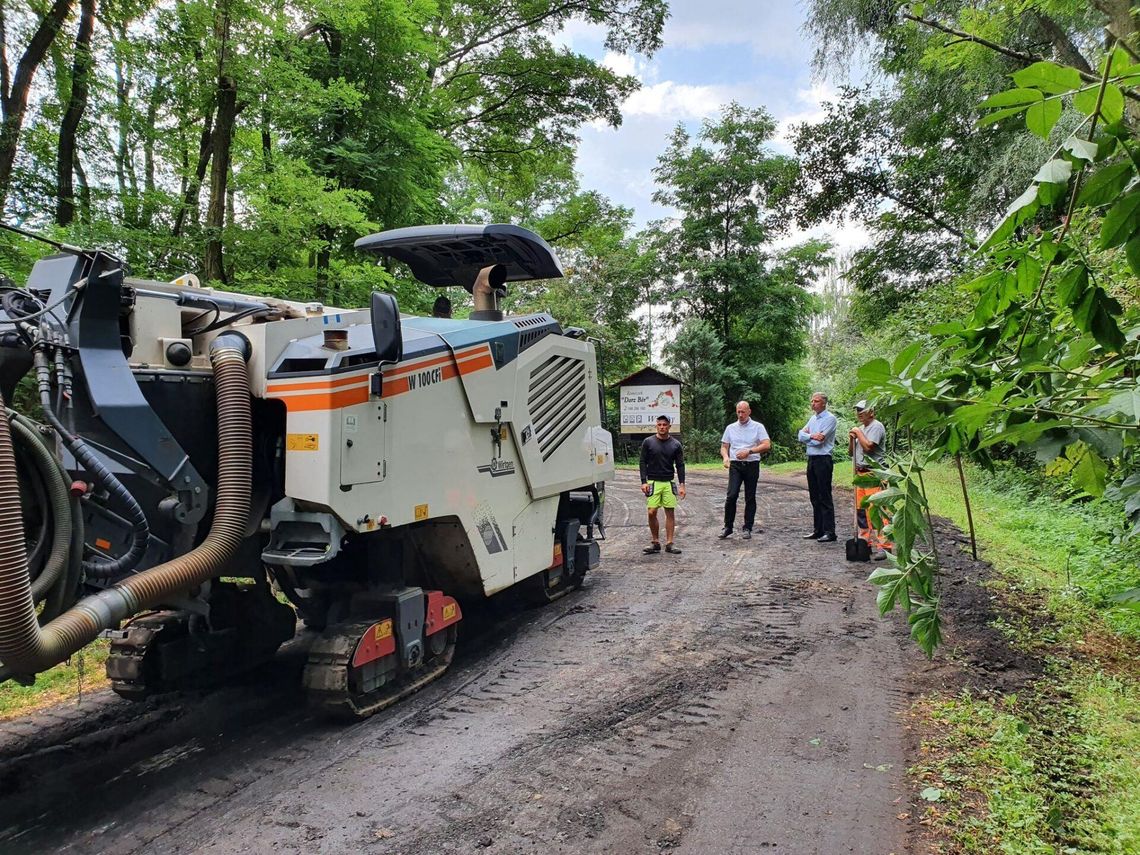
[908,580]
[1053,771]
[350,117]
[696,358]
[905,156]
[715,262]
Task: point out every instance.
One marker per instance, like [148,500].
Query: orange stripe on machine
[334,393]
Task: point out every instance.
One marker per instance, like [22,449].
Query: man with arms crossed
[659,454]
[740,448]
[819,437]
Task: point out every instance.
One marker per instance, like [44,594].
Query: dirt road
[742,697]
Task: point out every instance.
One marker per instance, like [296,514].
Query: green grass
[1056,770]
[1053,771]
[787,468]
[84,670]
[1061,549]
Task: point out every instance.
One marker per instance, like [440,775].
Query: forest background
[989,149]
[253,144]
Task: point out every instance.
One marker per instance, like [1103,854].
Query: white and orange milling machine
[185,458]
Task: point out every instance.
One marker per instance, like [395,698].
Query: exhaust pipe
[27,648]
[487,290]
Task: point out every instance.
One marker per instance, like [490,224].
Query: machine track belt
[327,671]
[126,666]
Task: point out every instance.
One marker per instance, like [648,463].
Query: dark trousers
[819,489]
[746,472]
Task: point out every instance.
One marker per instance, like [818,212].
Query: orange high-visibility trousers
[873,536]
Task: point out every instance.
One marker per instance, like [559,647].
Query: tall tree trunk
[124,156]
[149,135]
[14,90]
[219,174]
[84,191]
[190,194]
[80,78]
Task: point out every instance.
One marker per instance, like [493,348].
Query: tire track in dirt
[628,717]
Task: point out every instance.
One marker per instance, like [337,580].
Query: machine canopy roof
[454,254]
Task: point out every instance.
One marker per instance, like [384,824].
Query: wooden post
[969,513]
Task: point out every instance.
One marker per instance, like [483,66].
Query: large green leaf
[1121,222]
[1086,99]
[1102,322]
[1028,275]
[998,115]
[972,417]
[1081,149]
[1132,253]
[1072,284]
[1056,171]
[905,356]
[876,371]
[1018,212]
[1089,470]
[1112,105]
[1040,118]
[1127,403]
[1105,185]
[1048,77]
[1012,97]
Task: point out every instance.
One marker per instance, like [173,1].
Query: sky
[715,51]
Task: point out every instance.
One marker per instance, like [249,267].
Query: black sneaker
[724,532]
[652,549]
[827,538]
[746,534]
[815,535]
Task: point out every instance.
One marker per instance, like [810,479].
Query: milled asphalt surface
[742,697]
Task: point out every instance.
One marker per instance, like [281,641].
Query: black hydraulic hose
[39,498]
[64,595]
[59,502]
[25,647]
[140,529]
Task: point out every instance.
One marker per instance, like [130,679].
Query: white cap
[861,405]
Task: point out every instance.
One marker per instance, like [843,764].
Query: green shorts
[662,495]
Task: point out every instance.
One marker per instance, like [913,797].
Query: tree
[696,357]
[907,157]
[1044,360]
[15,89]
[81,68]
[716,262]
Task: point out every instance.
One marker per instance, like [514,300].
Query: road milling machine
[188,459]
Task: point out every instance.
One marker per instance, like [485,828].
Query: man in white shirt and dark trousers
[818,436]
[740,448]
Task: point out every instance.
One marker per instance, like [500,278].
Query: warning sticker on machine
[449,611]
[383,630]
[421,512]
[303,442]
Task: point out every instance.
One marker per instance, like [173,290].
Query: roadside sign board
[641,405]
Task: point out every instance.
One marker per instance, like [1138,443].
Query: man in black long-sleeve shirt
[659,454]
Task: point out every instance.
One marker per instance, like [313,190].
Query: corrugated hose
[28,648]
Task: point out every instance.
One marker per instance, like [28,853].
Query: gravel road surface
[742,697]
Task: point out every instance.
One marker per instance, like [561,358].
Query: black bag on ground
[858,549]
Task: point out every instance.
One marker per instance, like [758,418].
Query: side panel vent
[557,401]
[534,328]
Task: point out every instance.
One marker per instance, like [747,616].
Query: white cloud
[678,101]
[625,64]
[809,109]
